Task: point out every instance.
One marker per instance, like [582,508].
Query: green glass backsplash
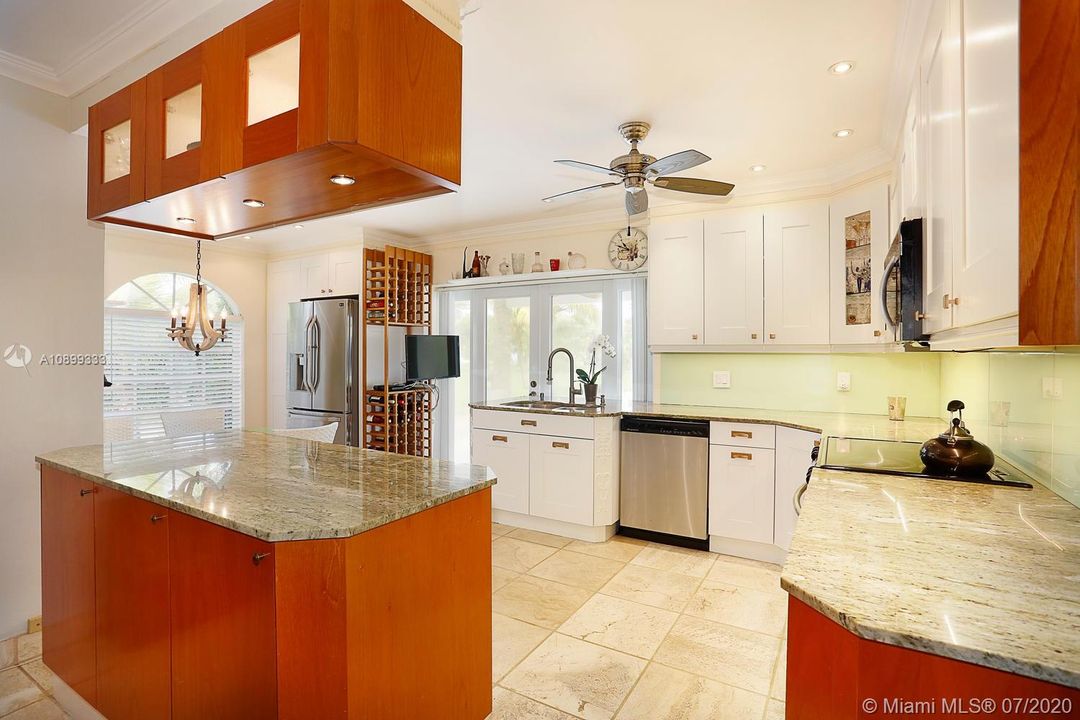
[804,381]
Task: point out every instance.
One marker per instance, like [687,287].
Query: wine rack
[396,294]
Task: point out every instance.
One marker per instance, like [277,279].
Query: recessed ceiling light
[185,220]
[342,179]
[252,202]
[843,133]
[298,227]
[247,237]
[842,68]
[757,168]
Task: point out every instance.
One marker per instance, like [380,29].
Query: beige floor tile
[507,705]
[695,563]
[499,530]
[29,646]
[583,571]
[511,641]
[538,601]
[7,652]
[16,690]
[501,576]
[41,710]
[517,555]
[659,588]
[746,573]
[738,657]
[577,677]
[620,624]
[664,693]
[42,675]
[763,612]
[775,710]
[540,538]
[619,548]
[779,680]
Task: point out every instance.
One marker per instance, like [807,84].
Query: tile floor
[634,631]
[623,629]
[25,682]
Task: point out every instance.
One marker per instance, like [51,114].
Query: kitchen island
[250,575]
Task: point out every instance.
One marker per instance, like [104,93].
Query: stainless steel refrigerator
[323,347]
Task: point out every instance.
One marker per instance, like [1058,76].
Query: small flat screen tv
[428,357]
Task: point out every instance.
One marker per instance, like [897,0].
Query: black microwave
[902,284]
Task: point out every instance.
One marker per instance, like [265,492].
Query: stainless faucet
[551,356]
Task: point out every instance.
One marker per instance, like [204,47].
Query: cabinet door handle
[85,492]
[772,336]
[258,557]
[531,423]
[499,438]
[563,445]
[946,301]
[155,518]
[753,336]
[694,336]
[877,333]
[741,456]
[742,433]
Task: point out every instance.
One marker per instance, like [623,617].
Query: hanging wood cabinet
[270,109]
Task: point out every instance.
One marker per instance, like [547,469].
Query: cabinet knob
[772,336]
[156,518]
[330,290]
[946,301]
[258,557]
[956,301]
[753,336]
[694,336]
[323,291]
[83,492]
[877,333]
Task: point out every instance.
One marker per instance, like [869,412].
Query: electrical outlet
[1052,388]
[721,379]
[843,381]
[33,625]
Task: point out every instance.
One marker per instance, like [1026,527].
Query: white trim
[995,334]
[588,533]
[762,348]
[559,276]
[745,549]
[27,71]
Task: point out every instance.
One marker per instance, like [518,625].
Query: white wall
[242,275]
[50,301]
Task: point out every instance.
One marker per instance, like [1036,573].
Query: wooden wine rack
[396,293]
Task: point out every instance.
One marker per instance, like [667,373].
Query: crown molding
[29,72]
[905,66]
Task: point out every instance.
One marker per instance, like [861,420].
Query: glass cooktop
[894,457]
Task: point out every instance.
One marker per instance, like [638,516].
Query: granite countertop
[987,575]
[878,427]
[274,487]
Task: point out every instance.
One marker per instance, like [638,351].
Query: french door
[507,333]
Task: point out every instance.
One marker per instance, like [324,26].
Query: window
[151,374]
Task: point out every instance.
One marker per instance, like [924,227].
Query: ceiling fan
[636,168]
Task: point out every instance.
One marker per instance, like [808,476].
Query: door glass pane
[461,387]
[274,80]
[507,370]
[117,154]
[576,321]
[626,347]
[183,121]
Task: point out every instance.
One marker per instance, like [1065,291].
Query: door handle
[317,338]
[741,456]
[258,557]
[742,433]
[499,438]
[530,423]
[156,518]
[83,492]
[563,445]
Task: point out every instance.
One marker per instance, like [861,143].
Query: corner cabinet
[272,107]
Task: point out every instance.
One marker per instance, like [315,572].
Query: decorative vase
[484,260]
[475,270]
[575,261]
[538,264]
[504,267]
[518,262]
[590,393]
[554,262]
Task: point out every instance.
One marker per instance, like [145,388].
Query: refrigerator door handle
[308,342]
[316,336]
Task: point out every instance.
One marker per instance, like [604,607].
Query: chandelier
[194,315]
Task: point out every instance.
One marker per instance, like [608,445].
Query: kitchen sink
[544,405]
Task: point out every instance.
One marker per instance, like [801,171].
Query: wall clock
[628,249]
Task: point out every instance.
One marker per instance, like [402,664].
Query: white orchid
[604,345]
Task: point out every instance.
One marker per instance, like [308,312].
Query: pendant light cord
[198,262]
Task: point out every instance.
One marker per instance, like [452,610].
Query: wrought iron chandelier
[194,315]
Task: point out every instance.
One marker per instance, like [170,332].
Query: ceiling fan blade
[675,163]
[694,185]
[580,190]
[589,166]
[636,202]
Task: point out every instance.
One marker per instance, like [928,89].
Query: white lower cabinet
[741,493]
[561,472]
[793,449]
[507,453]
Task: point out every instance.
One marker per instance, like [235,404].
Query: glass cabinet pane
[577,319]
[274,80]
[508,339]
[117,153]
[183,121]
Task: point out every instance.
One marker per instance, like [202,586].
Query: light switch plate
[843,381]
[721,379]
[1052,388]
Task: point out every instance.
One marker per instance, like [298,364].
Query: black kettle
[955,451]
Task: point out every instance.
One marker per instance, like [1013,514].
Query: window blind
[151,374]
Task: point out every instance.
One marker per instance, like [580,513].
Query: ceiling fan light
[842,68]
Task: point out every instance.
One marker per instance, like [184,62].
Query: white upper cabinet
[676,283]
[735,293]
[986,257]
[797,274]
[315,274]
[343,276]
[859,239]
[911,187]
[942,159]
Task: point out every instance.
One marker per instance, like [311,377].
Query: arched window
[152,375]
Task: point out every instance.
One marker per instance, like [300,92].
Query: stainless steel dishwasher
[664,480]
